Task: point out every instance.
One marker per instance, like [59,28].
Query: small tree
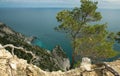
[87,40]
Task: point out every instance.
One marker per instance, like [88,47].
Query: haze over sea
[40,22]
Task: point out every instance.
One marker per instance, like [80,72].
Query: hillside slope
[46,60]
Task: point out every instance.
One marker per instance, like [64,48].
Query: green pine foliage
[88,38]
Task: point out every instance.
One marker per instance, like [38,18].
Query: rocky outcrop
[11,65]
[5,30]
[57,58]
[61,59]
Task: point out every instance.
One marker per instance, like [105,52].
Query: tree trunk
[73,52]
[115,73]
[73,61]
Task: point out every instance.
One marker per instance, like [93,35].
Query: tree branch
[21,49]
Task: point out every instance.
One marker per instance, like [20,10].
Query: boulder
[86,64]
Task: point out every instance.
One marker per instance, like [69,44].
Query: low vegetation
[45,59]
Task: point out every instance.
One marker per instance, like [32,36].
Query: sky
[106,4]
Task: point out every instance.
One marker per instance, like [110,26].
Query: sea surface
[40,22]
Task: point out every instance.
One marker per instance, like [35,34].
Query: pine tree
[87,38]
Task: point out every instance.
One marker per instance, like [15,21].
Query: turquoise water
[40,22]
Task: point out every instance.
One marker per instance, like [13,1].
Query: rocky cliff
[46,60]
[11,65]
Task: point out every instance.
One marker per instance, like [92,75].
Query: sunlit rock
[86,64]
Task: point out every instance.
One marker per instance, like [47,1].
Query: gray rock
[61,58]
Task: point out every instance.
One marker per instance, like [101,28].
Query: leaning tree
[88,38]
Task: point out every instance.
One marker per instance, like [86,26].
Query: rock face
[13,66]
[60,58]
[4,29]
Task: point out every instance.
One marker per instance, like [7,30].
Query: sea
[40,22]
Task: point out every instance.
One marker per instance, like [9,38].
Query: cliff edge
[11,65]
